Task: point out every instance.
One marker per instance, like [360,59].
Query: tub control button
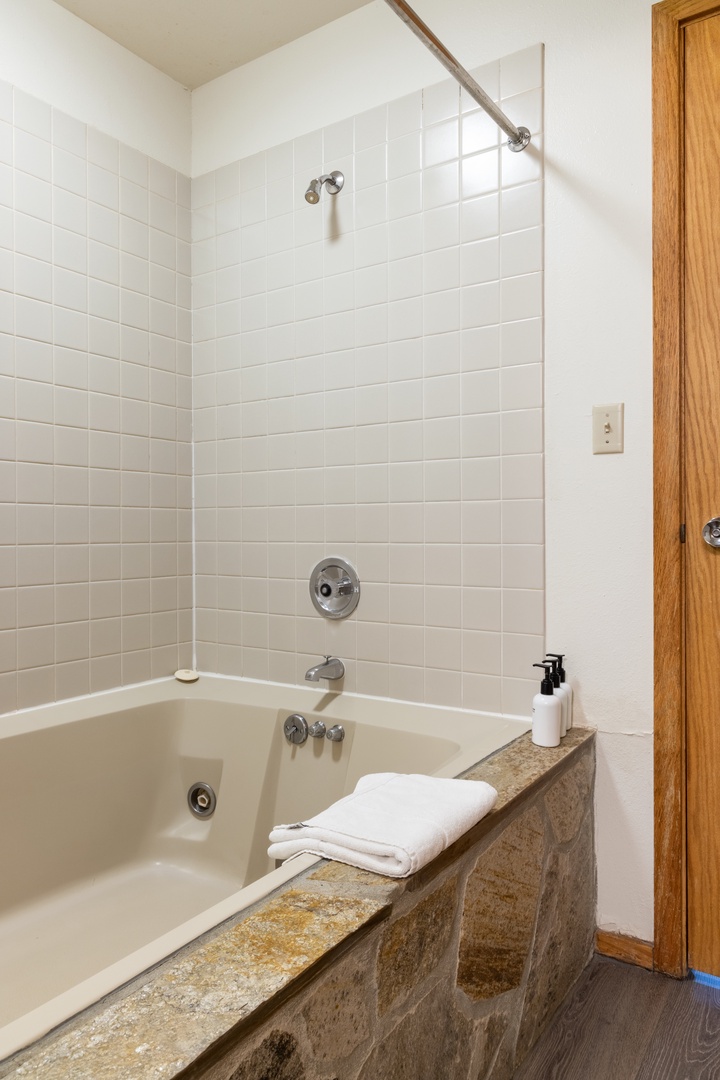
[336,733]
[316,730]
[296,729]
[334,587]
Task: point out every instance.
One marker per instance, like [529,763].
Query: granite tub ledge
[176,1019]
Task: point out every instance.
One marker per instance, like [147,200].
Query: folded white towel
[392,824]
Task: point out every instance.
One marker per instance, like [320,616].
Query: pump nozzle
[546,686]
[555,674]
[558,660]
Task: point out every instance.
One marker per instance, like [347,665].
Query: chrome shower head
[333,181]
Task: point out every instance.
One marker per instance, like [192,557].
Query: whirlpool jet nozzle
[333,181]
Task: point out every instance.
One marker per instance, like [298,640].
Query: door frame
[668,22]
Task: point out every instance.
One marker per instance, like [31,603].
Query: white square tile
[481,652]
[522,477]
[440,185]
[481,609]
[481,523]
[523,567]
[103,150]
[442,523]
[371,166]
[523,523]
[442,437]
[480,391]
[442,481]
[405,196]
[480,305]
[480,174]
[521,297]
[440,228]
[480,261]
[522,342]
[517,695]
[441,354]
[405,485]
[521,387]
[481,478]
[441,312]
[441,269]
[33,278]
[523,611]
[35,197]
[404,155]
[522,432]
[479,132]
[483,692]
[521,252]
[522,207]
[405,237]
[31,156]
[405,319]
[481,566]
[440,143]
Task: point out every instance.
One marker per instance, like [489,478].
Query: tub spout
[331,669]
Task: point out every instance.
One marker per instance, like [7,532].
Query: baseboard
[622,947]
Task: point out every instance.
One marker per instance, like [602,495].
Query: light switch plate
[608,424]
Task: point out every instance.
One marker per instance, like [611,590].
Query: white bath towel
[392,824]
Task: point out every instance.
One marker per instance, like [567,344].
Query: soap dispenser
[564,685]
[562,694]
[547,712]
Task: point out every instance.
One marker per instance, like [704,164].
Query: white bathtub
[105,871]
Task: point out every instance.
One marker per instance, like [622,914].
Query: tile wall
[368,383]
[95,410]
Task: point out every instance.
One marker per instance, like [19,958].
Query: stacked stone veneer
[462,978]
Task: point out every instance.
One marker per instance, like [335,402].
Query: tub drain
[202,800]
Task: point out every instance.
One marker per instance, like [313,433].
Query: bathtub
[106,870]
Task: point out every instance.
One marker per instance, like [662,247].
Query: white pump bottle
[546,713]
[564,685]
[562,694]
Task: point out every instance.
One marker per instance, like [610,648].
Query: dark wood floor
[623,1023]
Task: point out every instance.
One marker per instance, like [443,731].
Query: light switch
[608,428]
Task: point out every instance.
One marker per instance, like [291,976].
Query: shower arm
[518,137]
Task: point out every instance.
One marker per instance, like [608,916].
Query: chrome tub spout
[332,668]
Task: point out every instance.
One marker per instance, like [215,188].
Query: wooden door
[702,486]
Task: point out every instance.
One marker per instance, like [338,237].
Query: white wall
[50,53]
[598,331]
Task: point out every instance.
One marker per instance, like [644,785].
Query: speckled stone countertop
[229,979]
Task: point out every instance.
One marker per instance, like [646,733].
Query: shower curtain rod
[518,137]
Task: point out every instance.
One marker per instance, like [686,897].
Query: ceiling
[194,41]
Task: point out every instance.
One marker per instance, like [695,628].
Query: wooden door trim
[668,20]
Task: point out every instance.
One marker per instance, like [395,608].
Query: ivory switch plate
[608,428]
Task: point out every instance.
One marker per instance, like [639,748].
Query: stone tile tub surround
[141,877]
[344,975]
